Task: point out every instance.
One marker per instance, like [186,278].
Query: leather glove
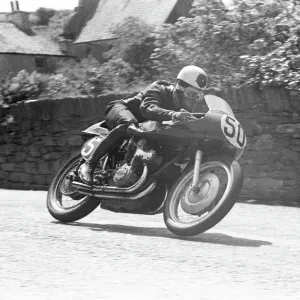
[182,116]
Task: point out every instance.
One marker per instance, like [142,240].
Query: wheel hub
[194,202]
[66,187]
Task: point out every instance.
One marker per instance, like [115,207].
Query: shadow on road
[207,237]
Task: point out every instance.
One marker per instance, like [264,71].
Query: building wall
[13,63]
[47,132]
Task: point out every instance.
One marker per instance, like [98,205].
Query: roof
[14,40]
[111,12]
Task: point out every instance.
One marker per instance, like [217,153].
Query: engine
[129,173]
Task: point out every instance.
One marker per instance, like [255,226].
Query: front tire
[211,212]
[83,205]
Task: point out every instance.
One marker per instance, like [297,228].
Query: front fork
[198,157]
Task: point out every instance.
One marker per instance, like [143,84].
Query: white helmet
[193,76]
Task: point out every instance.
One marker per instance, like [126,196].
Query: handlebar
[195,116]
[198,115]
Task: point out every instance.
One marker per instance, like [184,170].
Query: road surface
[254,253]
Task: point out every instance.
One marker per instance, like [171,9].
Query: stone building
[21,48]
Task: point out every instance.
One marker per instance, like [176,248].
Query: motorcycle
[189,171]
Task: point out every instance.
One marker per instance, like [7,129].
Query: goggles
[190,92]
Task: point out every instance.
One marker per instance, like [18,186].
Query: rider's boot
[86,170]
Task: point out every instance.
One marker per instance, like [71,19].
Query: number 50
[233,130]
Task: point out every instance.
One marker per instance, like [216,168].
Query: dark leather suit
[153,103]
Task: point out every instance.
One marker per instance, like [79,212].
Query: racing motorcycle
[189,171]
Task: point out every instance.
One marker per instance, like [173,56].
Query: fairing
[218,104]
[97,129]
[218,124]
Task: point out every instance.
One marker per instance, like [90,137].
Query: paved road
[252,254]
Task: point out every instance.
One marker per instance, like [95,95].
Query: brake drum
[195,202]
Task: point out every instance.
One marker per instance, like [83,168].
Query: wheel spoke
[68,201]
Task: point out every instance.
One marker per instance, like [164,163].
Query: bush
[89,77]
[279,64]
[57,86]
[69,78]
[134,47]
[72,78]
[21,87]
[278,68]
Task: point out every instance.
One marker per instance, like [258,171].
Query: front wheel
[189,212]
[64,203]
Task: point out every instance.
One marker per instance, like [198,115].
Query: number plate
[233,132]
[90,146]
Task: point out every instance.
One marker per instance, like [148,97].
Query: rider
[160,101]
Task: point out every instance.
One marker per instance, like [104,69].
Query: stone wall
[44,135]
[271,162]
[47,132]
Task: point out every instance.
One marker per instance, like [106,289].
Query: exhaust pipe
[129,193]
[133,197]
[113,189]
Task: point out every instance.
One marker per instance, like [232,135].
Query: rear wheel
[189,213]
[64,203]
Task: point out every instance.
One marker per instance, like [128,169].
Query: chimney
[19,18]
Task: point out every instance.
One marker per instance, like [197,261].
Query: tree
[134,45]
[44,15]
[233,45]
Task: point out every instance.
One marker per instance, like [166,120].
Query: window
[41,64]
[88,51]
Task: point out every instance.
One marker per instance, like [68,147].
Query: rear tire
[217,213]
[83,206]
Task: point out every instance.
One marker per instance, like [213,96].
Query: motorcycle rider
[160,101]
